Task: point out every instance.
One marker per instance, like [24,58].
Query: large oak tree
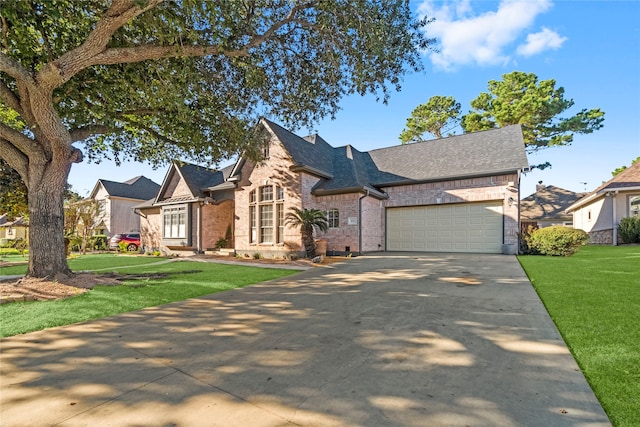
[152,80]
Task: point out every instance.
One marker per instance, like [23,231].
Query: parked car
[132,240]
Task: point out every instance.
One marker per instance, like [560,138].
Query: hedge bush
[629,229]
[99,242]
[558,240]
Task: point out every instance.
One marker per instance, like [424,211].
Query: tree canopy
[153,80]
[519,98]
[439,114]
[617,171]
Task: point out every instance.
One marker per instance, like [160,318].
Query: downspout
[613,220]
[366,193]
[199,232]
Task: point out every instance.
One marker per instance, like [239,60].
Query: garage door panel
[465,227]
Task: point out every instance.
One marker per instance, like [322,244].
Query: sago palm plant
[307,220]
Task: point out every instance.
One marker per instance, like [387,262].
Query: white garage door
[464,227]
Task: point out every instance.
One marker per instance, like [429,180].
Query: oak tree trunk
[46,185]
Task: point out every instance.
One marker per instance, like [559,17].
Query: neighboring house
[192,210]
[18,229]
[547,206]
[456,194]
[600,212]
[117,200]
[3,220]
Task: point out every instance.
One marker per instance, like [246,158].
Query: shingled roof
[548,202]
[628,179]
[140,188]
[345,169]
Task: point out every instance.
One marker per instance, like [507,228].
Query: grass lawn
[99,262]
[594,299]
[186,279]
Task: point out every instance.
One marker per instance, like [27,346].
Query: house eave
[445,178]
[310,170]
[349,190]
[595,196]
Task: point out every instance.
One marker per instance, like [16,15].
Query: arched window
[266,215]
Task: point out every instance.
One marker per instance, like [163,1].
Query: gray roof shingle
[199,178]
[347,169]
[472,154]
[140,187]
[549,202]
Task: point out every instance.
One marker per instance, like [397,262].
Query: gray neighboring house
[547,206]
[117,200]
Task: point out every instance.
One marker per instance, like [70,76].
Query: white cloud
[465,38]
[539,42]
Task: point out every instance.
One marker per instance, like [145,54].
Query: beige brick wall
[345,235]
[462,191]
[151,228]
[215,221]
[273,171]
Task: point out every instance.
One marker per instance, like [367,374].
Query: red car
[132,240]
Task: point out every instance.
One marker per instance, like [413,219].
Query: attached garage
[459,227]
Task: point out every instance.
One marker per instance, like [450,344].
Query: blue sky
[591,48]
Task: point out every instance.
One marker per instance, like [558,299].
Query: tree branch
[13,68]
[82,133]
[59,71]
[18,140]
[111,56]
[10,98]
[15,158]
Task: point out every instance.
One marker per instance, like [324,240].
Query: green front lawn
[186,279]
[594,299]
[99,262]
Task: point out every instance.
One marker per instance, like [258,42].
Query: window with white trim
[266,215]
[333,218]
[174,222]
[634,206]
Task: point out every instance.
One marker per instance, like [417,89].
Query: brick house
[456,194]
[184,216]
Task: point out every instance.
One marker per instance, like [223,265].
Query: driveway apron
[400,339]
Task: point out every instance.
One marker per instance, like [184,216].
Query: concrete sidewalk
[380,340]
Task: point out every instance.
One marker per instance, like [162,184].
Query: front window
[333,218]
[175,222]
[266,215]
[634,206]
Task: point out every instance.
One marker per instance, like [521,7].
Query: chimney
[540,186]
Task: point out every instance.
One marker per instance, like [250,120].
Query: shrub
[558,240]
[99,242]
[222,243]
[257,255]
[526,231]
[124,247]
[629,229]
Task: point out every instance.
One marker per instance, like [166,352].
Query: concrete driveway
[380,340]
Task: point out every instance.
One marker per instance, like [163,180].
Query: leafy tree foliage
[616,171]
[80,220]
[153,80]
[440,113]
[13,192]
[519,98]
[307,220]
